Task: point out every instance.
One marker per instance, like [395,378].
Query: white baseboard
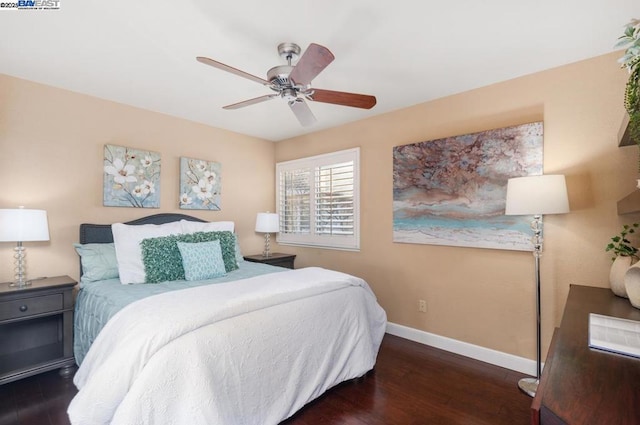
[487,355]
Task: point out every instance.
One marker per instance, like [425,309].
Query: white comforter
[247,352]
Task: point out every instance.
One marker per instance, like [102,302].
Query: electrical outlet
[422,306]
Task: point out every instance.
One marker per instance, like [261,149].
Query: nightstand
[36,328]
[275,259]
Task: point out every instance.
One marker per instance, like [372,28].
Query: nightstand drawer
[30,306]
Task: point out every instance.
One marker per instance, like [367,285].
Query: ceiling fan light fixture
[289,95]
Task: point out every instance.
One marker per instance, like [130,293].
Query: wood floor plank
[412,384]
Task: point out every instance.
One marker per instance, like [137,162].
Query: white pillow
[127,238]
[209,226]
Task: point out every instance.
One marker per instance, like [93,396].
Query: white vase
[632,284]
[617,273]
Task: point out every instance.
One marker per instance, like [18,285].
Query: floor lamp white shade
[267,223]
[536,195]
[22,225]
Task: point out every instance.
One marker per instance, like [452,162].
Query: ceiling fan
[293,82]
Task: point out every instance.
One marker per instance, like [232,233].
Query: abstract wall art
[452,191]
[131,178]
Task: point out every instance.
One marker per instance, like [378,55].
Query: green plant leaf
[620,245]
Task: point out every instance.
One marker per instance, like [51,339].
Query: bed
[252,346]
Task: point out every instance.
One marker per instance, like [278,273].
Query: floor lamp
[536,195]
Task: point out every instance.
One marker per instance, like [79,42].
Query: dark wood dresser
[582,385]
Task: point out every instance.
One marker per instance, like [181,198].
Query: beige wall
[51,146]
[51,150]
[485,296]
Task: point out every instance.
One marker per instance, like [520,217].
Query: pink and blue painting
[452,191]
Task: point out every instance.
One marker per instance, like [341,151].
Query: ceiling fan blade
[231,69]
[355,100]
[302,112]
[250,101]
[313,61]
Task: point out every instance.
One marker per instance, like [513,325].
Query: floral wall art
[200,185]
[131,178]
[452,191]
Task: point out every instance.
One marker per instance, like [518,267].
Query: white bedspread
[247,352]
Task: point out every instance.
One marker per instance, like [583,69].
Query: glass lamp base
[267,246]
[20,263]
[20,284]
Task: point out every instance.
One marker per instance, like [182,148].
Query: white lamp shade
[267,223]
[537,195]
[22,225]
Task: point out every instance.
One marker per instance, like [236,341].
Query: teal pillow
[162,260]
[202,260]
[98,261]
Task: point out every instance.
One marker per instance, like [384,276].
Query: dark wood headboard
[101,233]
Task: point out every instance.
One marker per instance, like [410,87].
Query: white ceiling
[405,52]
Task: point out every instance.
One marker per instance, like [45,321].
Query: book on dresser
[614,334]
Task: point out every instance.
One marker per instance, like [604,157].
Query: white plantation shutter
[295,204]
[318,200]
[334,199]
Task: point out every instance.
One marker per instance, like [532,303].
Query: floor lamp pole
[536,195]
[530,385]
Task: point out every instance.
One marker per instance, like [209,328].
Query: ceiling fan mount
[293,82]
[289,52]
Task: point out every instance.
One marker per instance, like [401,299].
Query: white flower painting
[200,184]
[131,178]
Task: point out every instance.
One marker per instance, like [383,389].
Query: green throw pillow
[163,262]
[202,260]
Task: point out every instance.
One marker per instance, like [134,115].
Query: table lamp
[267,223]
[22,225]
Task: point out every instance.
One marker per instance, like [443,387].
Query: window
[317,199]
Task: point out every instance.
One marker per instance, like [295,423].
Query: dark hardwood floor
[412,384]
